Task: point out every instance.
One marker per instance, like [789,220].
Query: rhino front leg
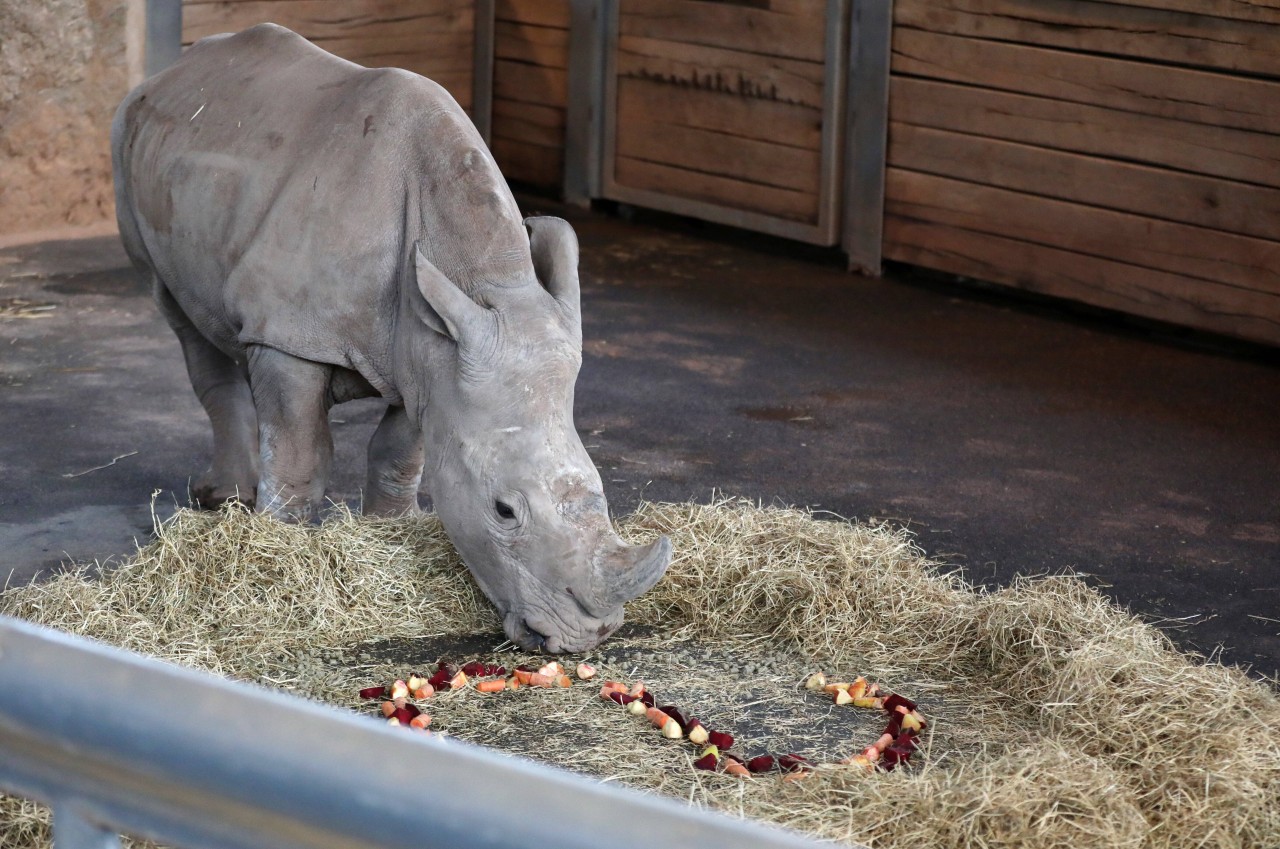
[222,385]
[292,399]
[396,456]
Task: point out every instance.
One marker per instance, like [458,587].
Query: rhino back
[277,192]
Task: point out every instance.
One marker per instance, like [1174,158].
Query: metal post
[482,70]
[585,114]
[163,43]
[868,115]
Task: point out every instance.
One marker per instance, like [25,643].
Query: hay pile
[1057,720]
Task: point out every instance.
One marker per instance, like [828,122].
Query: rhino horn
[449,310]
[554,247]
[624,572]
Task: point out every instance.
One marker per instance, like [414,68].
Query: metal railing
[120,743]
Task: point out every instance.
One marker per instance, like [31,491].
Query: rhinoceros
[315,232]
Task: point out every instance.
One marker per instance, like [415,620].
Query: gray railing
[119,743]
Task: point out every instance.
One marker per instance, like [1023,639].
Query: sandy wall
[64,66]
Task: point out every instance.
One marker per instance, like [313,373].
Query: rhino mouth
[535,630]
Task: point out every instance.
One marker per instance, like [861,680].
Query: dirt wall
[64,66]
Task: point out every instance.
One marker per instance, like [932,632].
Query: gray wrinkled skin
[316,232]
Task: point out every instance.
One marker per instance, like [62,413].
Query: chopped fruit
[373,692]
[458,681]
[623,698]
[391,720]
[707,762]
[616,685]
[586,671]
[657,717]
[721,740]
[648,699]
[762,763]
[793,762]
[672,730]
[563,680]
[494,669]
[399,690]
[426,691]
[892,701]
[815,682]
[676,714]
[637,707]
[420,721]
[474,669]
[388,708]
[698,734]
[552,669]
[858,688]
[711,750]
[439,679]
[399,703]
[885,741]
[513,683]
[415,681]
[493,685]
[861,761]
[522,675]
[910,723]
[872,754]
[735,768]
[843,697]
[865,702]
[833,688]
[907,740]
[537,679]
[638,689]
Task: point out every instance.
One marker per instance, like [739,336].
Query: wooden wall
[435,38]
[1122,153]
[530,89]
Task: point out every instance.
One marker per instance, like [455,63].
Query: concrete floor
[1013,437]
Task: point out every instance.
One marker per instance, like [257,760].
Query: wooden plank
[1098,27]
[1240,261]
[529,163]
[643,101]
[679,182]
[543,125]
[543,13]
[1263,11]
[328,18]
[543,46]
[721,155]
[1159,193]
[1197,148]
[1096,280]
[448,54]
[794,29]
[530,83]
[1141,87]
[729,72]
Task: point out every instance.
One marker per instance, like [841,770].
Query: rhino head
[511,481]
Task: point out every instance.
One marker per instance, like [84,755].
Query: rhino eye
[504,510]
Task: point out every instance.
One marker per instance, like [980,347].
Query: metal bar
[73,830]
[482,69]
[870,53]
[584,117]
[184,758]
[830,183]
[163,43]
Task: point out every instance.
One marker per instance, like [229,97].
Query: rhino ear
[448,310]
[554,247]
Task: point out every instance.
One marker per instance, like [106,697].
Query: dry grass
[1057,720]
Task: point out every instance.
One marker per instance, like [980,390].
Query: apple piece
[638,689]
[458,681]
[657,717]
[373,692]
[636,707]
[864,702]
[421,721]
[399,690]
[391,720]
[711,750]
[473,669]
[619,698]
[830,689]
[843,697]
[551,669]
[720,739]
[672,730]
[586,671]
[910,723]
[698,734]
[815,682]
[793,762]
[762,763]
[493,685]
[400,702]
[858,688]
[676,714]
[893,700]
[616,685]
[439,678]
[707,762]
[414,681]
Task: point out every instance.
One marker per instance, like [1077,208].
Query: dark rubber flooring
[1012,436]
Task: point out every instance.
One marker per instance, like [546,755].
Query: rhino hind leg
[395,458]
[222,385]
[292,399]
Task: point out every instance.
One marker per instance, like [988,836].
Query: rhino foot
[209,495]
